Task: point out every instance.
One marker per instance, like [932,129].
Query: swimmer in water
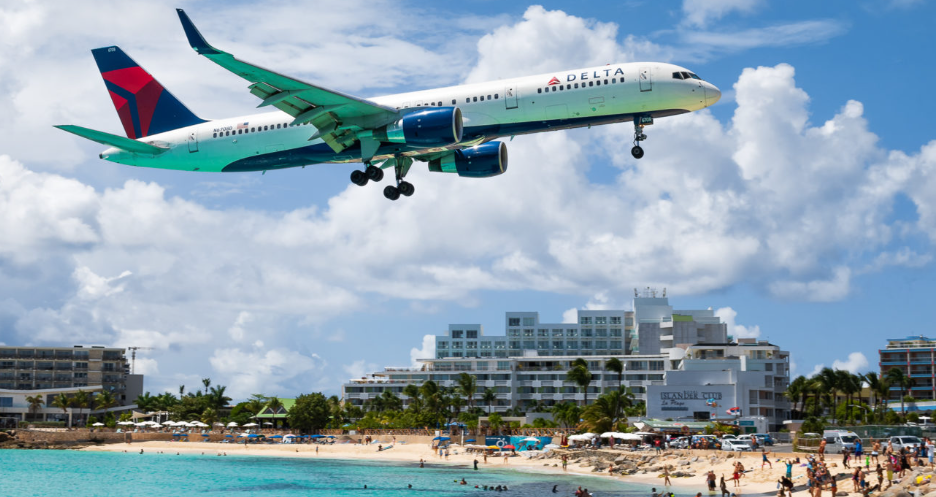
[554,489]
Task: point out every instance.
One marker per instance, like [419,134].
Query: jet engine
[482,161]
[435,127]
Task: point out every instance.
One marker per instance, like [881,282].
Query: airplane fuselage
[584,97]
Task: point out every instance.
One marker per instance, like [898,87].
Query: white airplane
[452,129]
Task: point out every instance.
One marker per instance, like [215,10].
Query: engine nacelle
[482,161]
[435,127]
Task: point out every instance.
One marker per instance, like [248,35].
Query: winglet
[195,39]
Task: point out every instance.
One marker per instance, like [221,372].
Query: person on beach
[822,445]
[723,486]
[422,464]
[710,477]
[565,462]
[856,476]
[666,480]
[653,492]
[485,457]
[889,465]
[736,476]
[764,460]
[845,457]
[476,464]
[789,469]
[506,455]
[786,484]
[833,486]
[875,451]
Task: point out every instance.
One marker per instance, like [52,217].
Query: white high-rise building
[526,366]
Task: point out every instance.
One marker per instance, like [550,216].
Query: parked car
[729,436]
[735,446]
[764,439]
[706,441]
[905,441]
[838,440]
[680,443]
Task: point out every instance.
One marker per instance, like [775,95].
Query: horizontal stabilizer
[117,141]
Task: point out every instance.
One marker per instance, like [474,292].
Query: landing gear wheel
[406,188]
[391,192]
[637,152]
[358,178]
[374,173]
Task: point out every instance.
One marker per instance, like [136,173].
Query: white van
[837,440]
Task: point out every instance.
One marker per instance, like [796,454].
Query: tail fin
[145,107]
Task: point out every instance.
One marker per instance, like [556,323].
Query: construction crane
[133,351]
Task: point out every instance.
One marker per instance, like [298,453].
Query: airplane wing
[335,115]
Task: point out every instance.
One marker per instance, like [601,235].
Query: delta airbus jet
[454,129]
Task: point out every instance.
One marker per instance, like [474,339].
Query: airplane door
[646,80]
[510,96]
[192,142]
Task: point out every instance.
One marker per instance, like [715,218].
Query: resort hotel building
[916,357]
[672,359]
[50,371]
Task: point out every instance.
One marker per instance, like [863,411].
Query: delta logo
[554,81]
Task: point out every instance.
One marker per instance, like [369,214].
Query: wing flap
[121,142]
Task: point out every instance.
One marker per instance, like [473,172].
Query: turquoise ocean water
[81,474]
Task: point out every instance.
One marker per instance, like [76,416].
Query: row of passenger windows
[256,129]
[468,100]
[685,75]
[573,86]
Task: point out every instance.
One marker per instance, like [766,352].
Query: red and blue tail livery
[145,107]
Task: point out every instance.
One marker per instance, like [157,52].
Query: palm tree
[467,387]
[496,422]
[581,376]
[567,414]
[35,402]
[105,400]
[61,401]
[615,365]
[207,383]
[181,390]
[607,412]
[146,402]
[256,403]
[851,385]
[209,416]
[217,399]
[796,391]
[874,384]
[81,400]
[490,396]
[412,392]
[829,381]
[898,378]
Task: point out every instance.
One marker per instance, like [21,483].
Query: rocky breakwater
[920,482]
[10,440]
[616,462]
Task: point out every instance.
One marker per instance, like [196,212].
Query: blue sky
[800,204]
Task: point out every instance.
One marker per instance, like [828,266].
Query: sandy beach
[756,481]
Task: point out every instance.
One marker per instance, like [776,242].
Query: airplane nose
[712,94]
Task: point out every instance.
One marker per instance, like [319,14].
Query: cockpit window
[694,76]
[677,75]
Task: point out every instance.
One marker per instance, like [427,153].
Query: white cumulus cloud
[728,315]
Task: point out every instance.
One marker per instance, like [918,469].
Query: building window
[513,333]
[485,345]
[513,321]
[752,397]
[542,333]
[557,333]
[528,332]
[456,345]
[601,344]
[615,344]
[528,322]
[471,333]
[656,365]
[442,344]
[458,334]
[557,344]
[585,320]
[471,345]
[586,344]
[628,321]
[503,365]
[615,319]
[573,345]
[571,332]
[542,345]
[500,345]
[601,332]
[529,344]
[601,320]
[586,332]
[515,344]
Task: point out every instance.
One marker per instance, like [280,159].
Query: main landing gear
[373,173]
[639,136]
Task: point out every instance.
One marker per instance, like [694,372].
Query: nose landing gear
[639,123]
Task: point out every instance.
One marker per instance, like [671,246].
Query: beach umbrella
[276,436]
[205,435]
[125,423]
[268,424]
[509,447]
[442,438]
[231,424]
[550,446]
[98,424]
[290,435]
[493,447]
[251,424]
[157,426]
[470,440]
[330,436]
[219,424]
[229,436]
